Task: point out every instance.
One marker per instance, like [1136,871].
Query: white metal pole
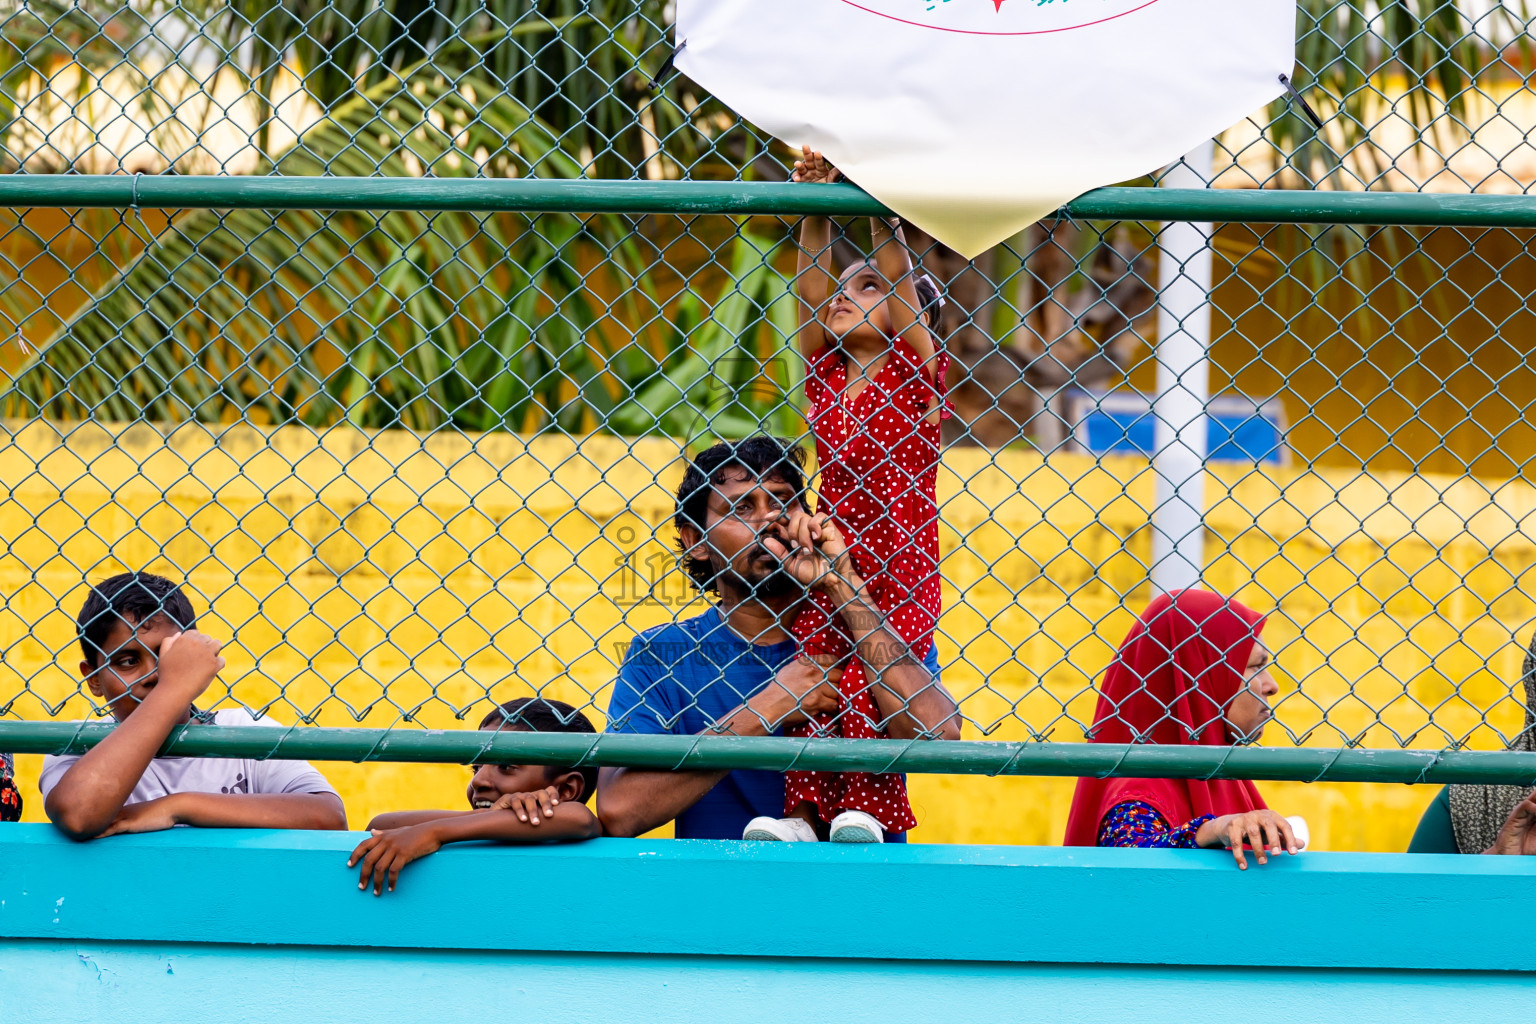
[1183,386]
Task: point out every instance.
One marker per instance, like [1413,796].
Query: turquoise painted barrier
[221,926]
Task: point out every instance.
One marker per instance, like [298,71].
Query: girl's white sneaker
[779,830]
[856,827]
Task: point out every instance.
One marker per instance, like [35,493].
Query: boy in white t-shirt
[145,659]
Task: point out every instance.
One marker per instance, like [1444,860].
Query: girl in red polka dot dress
[875,385]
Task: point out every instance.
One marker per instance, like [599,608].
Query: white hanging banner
[975,118]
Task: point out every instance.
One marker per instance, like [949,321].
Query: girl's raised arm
[894,260]
[814,279]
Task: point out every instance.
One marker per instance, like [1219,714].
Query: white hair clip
[936,289]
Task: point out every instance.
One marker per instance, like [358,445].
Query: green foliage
[505,321]
[581,81]
[1345,51]
[482,322]
[46,34]
[1347,55]
[734,362]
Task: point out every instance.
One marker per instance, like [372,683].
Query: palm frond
[370,319]
[1364,64]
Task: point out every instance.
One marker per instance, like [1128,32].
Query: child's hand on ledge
[149,816]
[815,169]
[530,807]
[384,853]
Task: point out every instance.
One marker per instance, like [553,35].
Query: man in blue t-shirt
[746,535]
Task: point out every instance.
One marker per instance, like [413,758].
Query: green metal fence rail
[774,753]
[697,198]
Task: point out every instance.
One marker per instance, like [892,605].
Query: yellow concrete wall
[387,579]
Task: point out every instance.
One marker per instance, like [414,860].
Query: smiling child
[509,803]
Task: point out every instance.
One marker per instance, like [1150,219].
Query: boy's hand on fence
[1264,831]
[813,168]
[188,663]
[1518,836]
[384,853]
[530,807]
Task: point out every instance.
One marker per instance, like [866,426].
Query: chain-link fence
[389,328]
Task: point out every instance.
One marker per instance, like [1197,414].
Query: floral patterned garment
[1134,823]
[10,796]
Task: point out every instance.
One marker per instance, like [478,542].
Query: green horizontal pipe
[427,195]
[774,753]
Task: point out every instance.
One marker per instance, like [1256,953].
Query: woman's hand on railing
[1265,832]
[1518,836]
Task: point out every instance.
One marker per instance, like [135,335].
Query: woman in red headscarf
[1192,671]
